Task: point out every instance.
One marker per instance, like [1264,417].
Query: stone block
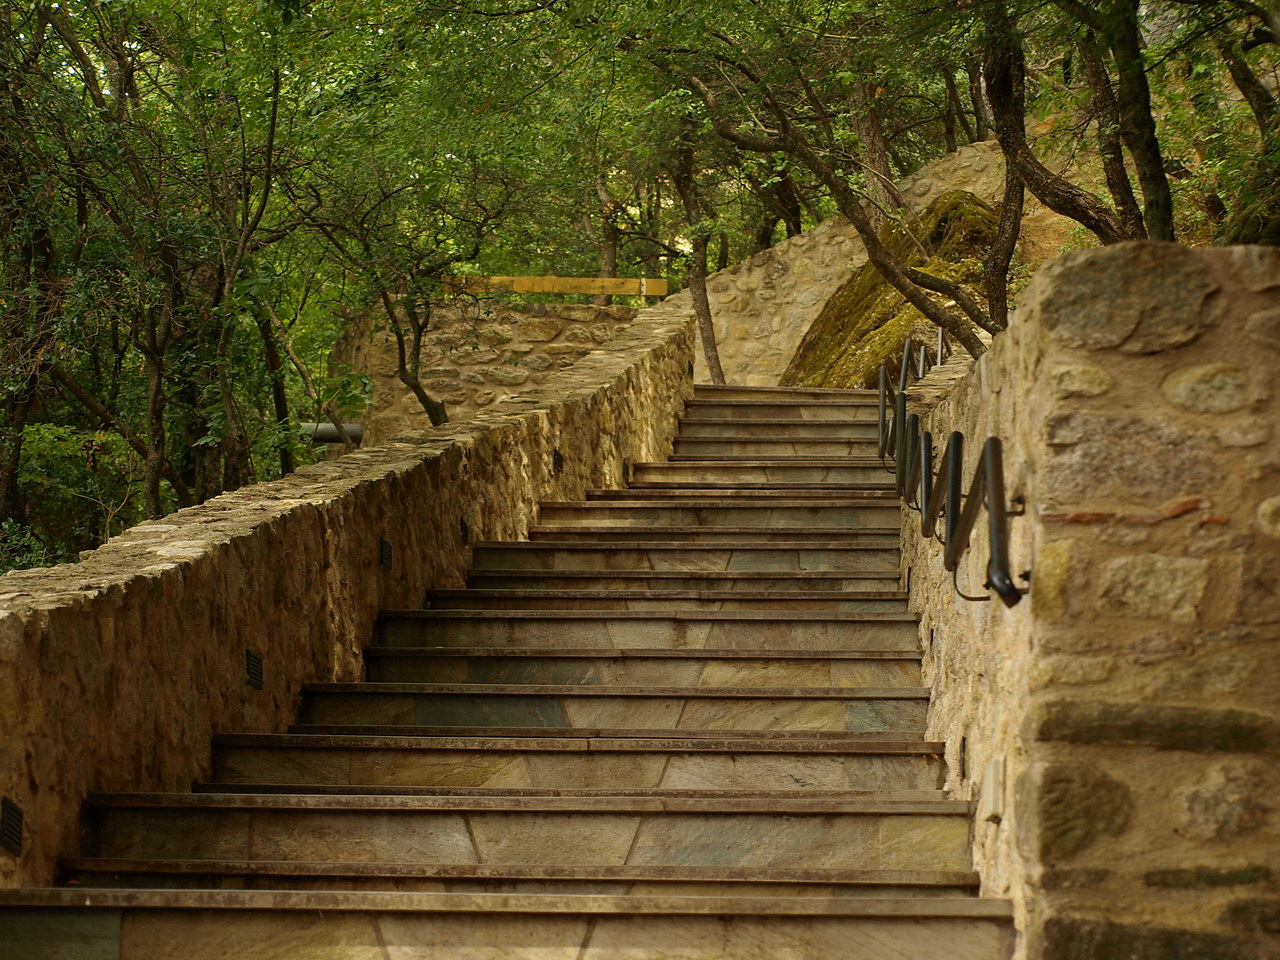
[537,361]
[508,376]
[577,334]
[1079,381]
[1229,800]
[1165,728]
[1191,878]
[1153,585]
[1264,327]
[1076,804]
[1138,297]
[540,329]
[1207,388]
[1080,938]
[1252,916]
[1269,517]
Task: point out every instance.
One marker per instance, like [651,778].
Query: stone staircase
[682,720]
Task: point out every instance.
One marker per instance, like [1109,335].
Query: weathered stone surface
[1226,802]
[1208,388]
[508,376]
[1269,517]
[1078,938]
[1079,381]
[1264,327]
[1096,457]
[1252,916]
[577,334]
[1260,589]
[1139,297]
[1080,878]
[1056,574]
[1152,585]
[537,361]
[1247,433]
[473,358]
[1200,877]
[1077,804]
[1165,728]
[538,329]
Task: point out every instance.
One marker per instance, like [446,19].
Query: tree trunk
[981,115]
[995,265]
[1107,118]
[608,245]
[880,188]
[1261,101]
[684,177]
[1004,73]
[1137,122]
[12,505]
[956,108]
[279,396]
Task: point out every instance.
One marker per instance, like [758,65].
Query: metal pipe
[328,433]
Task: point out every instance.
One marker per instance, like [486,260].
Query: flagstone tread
[863,400]
[388,901]
[676,490]
[437,790]
[585,690]
[616,532]
[798,803]
[713,389]
[690,462]
[616,733]
[647,653]
[814,615]
[714,504]
[480,871]
[666,744]
[723,546]
[641,573]
[481,595]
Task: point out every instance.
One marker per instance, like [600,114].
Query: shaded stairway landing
[683,720]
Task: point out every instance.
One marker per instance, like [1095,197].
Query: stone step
[860,473]
[755,427]
[781,515]
[653,629]
[783,409]
[728,391]
[632,533]
[799,833]
[672,582]
[630,599]
[674,492]
[657,554]
[347,925]
[643,667]
[482,878]
[710,448]
[650,707]
[518,763]
[601,733]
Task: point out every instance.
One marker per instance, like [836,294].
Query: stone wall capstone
[117,670]
[1119,728]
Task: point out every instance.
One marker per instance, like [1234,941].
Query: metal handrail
[915,477]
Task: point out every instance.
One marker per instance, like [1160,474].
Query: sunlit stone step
[640,533]
[723,391]
[677,581]
[864,409]
[501,878]
[853,472]
[784,513]
[675,492]
[712,448]
[644,667]
[633,599]
[625,629]
[804,833]
[306,925]
[755,427]
[582,705]
[657,554]
[517,763]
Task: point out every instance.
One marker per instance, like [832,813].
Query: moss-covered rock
[866,321]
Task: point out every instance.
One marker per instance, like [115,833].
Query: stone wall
[473,356]
[763,306]
[1119,728]
[115,671]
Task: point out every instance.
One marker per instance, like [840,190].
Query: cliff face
[866,321]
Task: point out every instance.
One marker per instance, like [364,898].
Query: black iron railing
[940,495]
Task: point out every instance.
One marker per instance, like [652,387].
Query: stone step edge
[721,504]
[602,733]
[634,594]
[864,400]
[670,744]
[490,903]
[691,462]
[839,391]
[376,688]
[628,653]
[473,871]
[776,422]
[788,616]
[648,527]
[431,790]
[580,573]
[792,806]
[730,545]
[872,442]
[769,487]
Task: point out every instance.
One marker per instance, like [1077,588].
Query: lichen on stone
[866,321]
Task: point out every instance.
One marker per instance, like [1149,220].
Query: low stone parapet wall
[1119,728]
[116,671]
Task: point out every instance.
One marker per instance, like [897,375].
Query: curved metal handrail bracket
[940,495]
